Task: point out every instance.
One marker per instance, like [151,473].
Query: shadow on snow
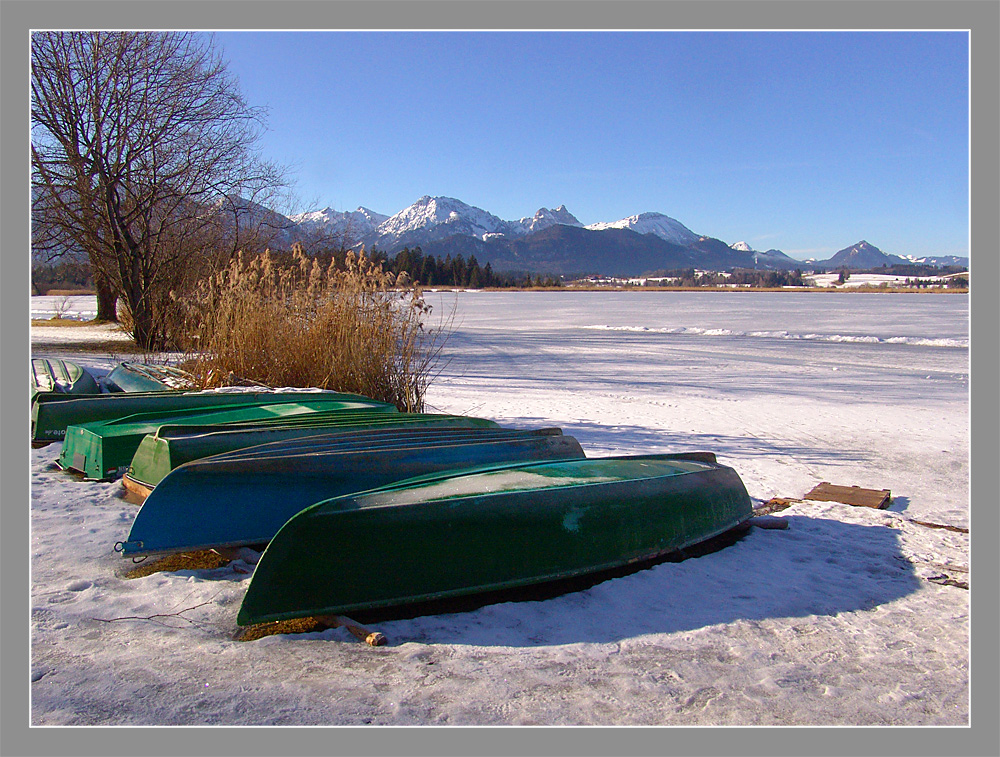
[815,567]
[601,440]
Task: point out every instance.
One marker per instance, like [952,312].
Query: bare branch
[142,148]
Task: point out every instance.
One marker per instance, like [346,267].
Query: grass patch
[296,625]
[103,348]
[202,560]
[69,293]
[69,322]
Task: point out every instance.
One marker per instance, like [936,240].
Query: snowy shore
[851,616]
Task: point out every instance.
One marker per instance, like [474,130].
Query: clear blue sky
[805,142]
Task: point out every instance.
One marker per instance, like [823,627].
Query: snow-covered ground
[870,280]
[851,616]
[77,307]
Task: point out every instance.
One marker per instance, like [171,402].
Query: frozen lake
[851,616]
[875,347]
[864,376]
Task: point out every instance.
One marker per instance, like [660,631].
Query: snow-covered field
[851,616]
[76,307]
[870,280]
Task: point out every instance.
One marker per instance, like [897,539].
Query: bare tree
[143,157]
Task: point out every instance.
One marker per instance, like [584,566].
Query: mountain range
[555,242]
[864,256]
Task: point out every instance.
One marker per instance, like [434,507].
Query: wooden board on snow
[851,495]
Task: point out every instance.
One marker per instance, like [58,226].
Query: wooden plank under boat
[105,449]
[51,414]
[243,498]
[138,377]
[488,530]
[58,376]
[172,446]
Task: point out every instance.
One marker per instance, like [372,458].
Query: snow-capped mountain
[767,258]
[361,221]
[664,227]
[554,240]
[937,260]
[544,218]
[430,212]
[864,255]
[861,255]
[435,218]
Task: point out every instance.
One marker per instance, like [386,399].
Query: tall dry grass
[348,328]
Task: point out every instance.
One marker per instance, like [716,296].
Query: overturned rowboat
[172,446]
[138,377]
[51,414]
[105,449]
[487,530]
[244,498]
[58,376]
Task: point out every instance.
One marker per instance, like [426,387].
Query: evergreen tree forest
[430,271]
[740,277]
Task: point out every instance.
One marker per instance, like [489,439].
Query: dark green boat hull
[51,414]
[486,531]
[58,376]
[172,446]
[105,449]
[136,377]
[244,498]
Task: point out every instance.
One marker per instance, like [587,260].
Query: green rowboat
[51,414]
[171,446]
[244,498]
[136,377]
[57,376]
[104,449]
[487,530]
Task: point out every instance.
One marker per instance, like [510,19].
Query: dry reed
[293,323]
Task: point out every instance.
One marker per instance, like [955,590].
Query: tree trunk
[106,299]
[143,328]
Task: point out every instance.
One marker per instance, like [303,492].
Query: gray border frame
[981,17]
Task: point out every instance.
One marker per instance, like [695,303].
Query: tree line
[62,274]
[689,277]
[413,265]
[428,271]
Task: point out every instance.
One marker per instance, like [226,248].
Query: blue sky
[802,141]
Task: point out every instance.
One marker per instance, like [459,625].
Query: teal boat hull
[244,498]
[136,377]
[58,376]
[172,446]
[51,414]
[489,530]
[104,450]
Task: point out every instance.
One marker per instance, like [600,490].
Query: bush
[293,323]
